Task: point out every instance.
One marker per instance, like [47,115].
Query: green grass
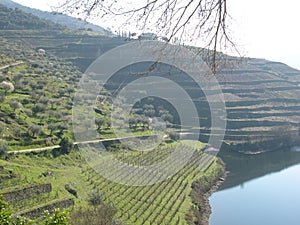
[28,169]
[166,202]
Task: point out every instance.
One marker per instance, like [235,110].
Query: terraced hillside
[262,97]
[263,103]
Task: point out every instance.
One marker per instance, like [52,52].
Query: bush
[71,190]
[65,146]
[174,136]
[101,215]
[5,213]
[95,198]
[6,217]
[3,149]
[58,218]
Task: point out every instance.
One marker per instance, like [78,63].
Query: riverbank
[202,189]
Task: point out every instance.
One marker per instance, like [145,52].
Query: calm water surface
[260,190]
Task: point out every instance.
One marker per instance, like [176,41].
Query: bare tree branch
[193,22]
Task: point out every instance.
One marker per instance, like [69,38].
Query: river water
[260,189]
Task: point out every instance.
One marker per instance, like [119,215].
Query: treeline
[16,19]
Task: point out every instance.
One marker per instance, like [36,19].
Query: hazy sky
[262,28]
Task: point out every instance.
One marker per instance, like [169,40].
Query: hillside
[64,20]
[262,97]
[263,104]
[37,86]
[16,19]
[39,68]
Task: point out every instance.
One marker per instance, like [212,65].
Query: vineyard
[167,202]
[39,182]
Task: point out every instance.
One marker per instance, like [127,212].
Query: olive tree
[3,149]
[7,86]
[15,104]
[34,130]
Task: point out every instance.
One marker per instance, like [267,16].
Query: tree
[61,92]
[34,130]
[61,127]
[174,135]
[132,122]
[65,146]
[44,100]
[1,129]
[52,127]
[7,86]
[17,132]
[99,122]
[3,149]
[196,21]
[28,112]
[39,108]
[70,90]
[15,104]
[52,102]
[42,117]
[2,98]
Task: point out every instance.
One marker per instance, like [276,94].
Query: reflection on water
[243,167]
[260,190]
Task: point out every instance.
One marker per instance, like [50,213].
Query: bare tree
[182,21]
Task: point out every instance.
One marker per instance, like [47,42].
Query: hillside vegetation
[36,96]
[37,86]
[40,64]
[16,19]
[63,20]
[167,202]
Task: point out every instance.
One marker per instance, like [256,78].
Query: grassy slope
[167,202]
[39,78]
[29,168]
[163,203]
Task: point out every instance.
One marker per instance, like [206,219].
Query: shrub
[95,198]
[3,149]
[5,213]
[101,215]
[60,217]
[6,217]
[174,136]
[65,146]
[71,190]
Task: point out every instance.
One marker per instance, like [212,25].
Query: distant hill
[16,19]
[68,21]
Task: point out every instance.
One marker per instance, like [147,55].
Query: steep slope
[263,104]
[16,19]
[262,97]
[68,21]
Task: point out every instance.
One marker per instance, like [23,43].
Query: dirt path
[75,143]
[11,65]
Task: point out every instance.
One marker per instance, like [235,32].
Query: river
[261,189]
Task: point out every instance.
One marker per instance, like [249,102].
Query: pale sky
[261,28]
